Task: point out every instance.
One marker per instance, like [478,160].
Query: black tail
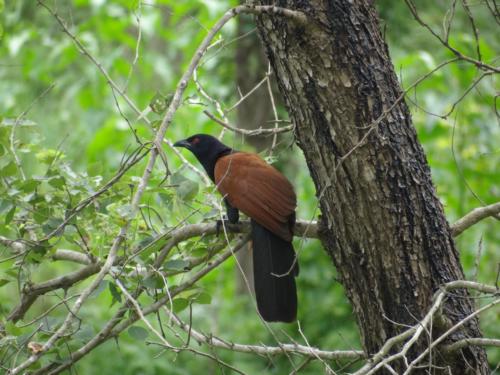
[274,270]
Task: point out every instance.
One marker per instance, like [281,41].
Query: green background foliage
[71,134]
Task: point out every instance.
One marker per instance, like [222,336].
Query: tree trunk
[383,224]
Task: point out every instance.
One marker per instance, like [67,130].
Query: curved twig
[474,217]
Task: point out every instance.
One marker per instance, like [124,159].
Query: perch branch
[32,292]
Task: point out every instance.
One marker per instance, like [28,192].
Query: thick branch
[30,293]
[71,256]
[16,245]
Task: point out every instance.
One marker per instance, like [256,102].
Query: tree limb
[473,217]
[31,292]
[16,245]
[471,341]
[269,350]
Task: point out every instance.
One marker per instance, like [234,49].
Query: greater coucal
[252,186]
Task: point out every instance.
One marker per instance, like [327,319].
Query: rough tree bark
[383,224]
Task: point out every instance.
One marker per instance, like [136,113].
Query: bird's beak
[183,143]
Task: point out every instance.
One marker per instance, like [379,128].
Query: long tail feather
[274,268]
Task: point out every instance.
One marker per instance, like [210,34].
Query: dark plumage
[257,189]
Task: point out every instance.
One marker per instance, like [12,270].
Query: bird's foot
[221,224]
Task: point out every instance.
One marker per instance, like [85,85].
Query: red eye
[195,141]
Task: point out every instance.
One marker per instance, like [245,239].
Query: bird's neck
[209,163]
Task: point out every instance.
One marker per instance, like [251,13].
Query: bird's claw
[218,224]
[221,224]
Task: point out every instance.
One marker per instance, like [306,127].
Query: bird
[257,189]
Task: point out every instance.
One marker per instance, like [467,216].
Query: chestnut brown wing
[258,190]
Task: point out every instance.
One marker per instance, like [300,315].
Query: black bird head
[207,150]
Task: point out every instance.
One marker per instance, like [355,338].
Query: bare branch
[138,310]
[16,245]
[435,342]
[31,292]
[71,256]
[269,350]
[297,16]
[258,131]
[474,217]
[114,86]
[248,94]
[479,64]
[380,359]
[479,341]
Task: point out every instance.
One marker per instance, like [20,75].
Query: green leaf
[138,333]
[57,182]
[12,329]
[177,264]
[5,205]
[52,224]
[179,304]
[9,170]
[29,185]
[49,155]
[10,215]
[204,298]
[4,281]
[153,282]
[102,285]
[115,294]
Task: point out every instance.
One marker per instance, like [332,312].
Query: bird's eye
[195,141]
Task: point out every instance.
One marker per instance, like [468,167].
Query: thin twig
[258,131]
